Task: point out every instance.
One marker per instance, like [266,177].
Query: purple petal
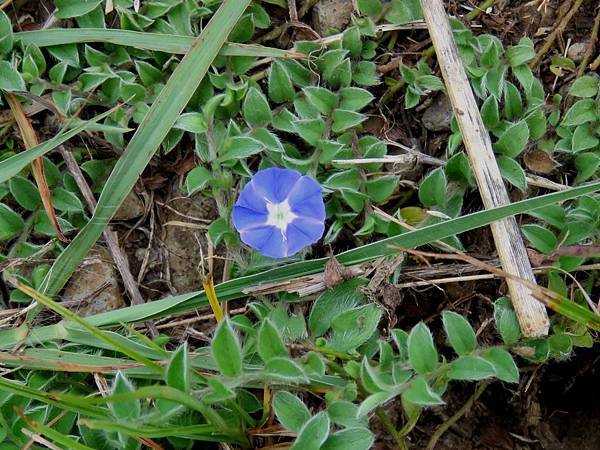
[275,246]
[267,239]
[274,183]
[251,199]
[303,232]
[245,218]
[305,189]
[312,207]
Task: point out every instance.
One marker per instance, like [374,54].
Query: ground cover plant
[253,224]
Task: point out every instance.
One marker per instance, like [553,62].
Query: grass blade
[235,288]
[114,343]
[145,142]
[168,43]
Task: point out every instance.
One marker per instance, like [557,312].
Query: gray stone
[331,14]
[132,208]
[94,287]
[439,115]
[577,51]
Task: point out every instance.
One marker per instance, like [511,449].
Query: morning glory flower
[279,212]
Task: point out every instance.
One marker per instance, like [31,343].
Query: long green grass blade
[145,142]
[112,340]
[168,43]
[56,437]
[76,404]
[235,288]
[198,432]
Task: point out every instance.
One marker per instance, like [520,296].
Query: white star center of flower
[280,215]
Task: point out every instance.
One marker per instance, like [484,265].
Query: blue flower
[279,212]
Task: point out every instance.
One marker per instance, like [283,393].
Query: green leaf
[587,164]
[346,180]
[506,321]
[285,370]
[193,122]
[379,189]
[541,238]
[10,79]
[370,378]
[513,140]
[74,8]
[422,354]
[584,138]
[291,412]
[6,34]
[25,193]
[226,350]
[354,99]
[322,99]
[240,147]
[586,86]
[433,189]
[521,53]
[537,123]
[270,343]
[490,113]
[257,112]
[149,75]
[280,84]
[470,368]
[355,438]
[420,393]
[64,200]
[401,339]
[458,168]
[373,401]
[354,327]
[460,333]
[311,130]
[313,433]
[124,409]
[513,104]
[512,172]
[504,364]
[582,111]
[344,120]
[197,179]
[11,224]
[370,8]
[332,303]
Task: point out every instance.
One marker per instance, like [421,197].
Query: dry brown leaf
[540,161]
[37,166]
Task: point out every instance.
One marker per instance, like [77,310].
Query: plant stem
[456,416]
[390,427]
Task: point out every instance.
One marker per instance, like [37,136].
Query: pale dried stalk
[509,243]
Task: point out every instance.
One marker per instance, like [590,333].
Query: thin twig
[109,236]
[456,416]
[591,45]
[549,41]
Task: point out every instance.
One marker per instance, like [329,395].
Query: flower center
[280,215]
